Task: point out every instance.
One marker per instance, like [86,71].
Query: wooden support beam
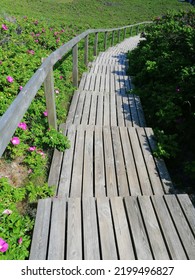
[86,50]
[105,40]
[50,99]
[112,43]
[96,44]
[75,65]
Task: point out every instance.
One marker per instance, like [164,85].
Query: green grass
[90,13]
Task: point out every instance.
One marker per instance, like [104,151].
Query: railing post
[124,33]
[105,40]
[131,30]
[86,50]
[75,65]
[118,35]
[50,99]
[96,44]
[112,43]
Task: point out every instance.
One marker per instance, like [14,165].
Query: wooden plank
[90,230]
[97,83]
[154,233]
[130,163]
[122,85]
[140,112]
[41,230]
[149,160]
[106,109]
[75,65]
[86,109]
[57,237]
[142,247]
[107,82]
[87,81]
[72,109]
[134,115]
[99,119]
[119,106]
[170,234]
[77,171]
[102,83]
[65,178]
[112,83]
[162,169]
[92,83]
[79,109]
[82,81]
[109,163]
[126,111]
[113,117]
[88,172]
[182,226]
[74,231]
[99,164]
[93,109]
[140,164]
[123,237]
[107,241]
[123,187]
[188,209]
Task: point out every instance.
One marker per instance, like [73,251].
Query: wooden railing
[9,121]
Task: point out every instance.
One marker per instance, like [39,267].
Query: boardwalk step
[147,227]
[109,82]
[102,108]
[104,161]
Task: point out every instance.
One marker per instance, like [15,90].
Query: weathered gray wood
[99,120]
[65,178]
[188,209]
[140,239]
[149,160]
[112,42]
[74,231]
[123,187]
[182,226]
[130,163]
[86,50]
[41,231]
[162,169]
[93,108]
[72,108]
[106,110]
[90,230]
[99,164]
[77,171]
[57,231]
[140,164]
[109,163]
[96,44]
[75,65]
[79,108]
[50,99]
[88,172]
[154,233]
[105,40]
[140,112]
[124,36]
[170,234]
[86,109]
[107,242]
[123,237]
[119,107]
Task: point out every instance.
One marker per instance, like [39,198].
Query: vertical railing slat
[112,43]
[96,44]
[86,50]
[105,40]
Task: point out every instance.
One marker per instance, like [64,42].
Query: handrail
[9,121]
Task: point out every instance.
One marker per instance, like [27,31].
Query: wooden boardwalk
[113,196]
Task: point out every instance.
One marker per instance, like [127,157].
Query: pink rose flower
[31,149]
[20,88]
[61,77]
[57,91]
[3,245]
[20,240]
[15,141]
[10,79]
[22,125]
[4,27]
[45,113]
[31,52]
[7,212]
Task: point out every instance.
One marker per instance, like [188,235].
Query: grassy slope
[90,13]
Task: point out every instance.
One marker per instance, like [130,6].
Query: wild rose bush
[23,44]
[164,69]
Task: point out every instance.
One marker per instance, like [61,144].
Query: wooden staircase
[113,197]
